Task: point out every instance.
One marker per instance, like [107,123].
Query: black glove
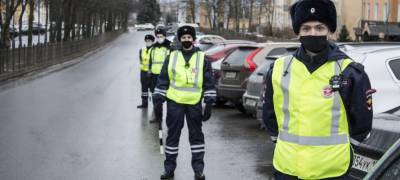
[158,99]
[207,112]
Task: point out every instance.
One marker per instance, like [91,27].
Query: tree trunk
[23,8]
[250,29]
[237,21]
[11,7]
[31,12]
[46,2]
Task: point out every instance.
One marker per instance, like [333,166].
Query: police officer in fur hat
[317,101]
[144,56]
[159,53]
[185,80]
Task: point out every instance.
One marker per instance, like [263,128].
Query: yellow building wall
[350,15]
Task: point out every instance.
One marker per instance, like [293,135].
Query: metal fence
[15,62]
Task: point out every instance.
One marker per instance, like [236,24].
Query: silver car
[382,64]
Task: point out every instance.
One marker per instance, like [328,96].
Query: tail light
[250,65]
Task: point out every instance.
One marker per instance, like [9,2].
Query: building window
[368,11]
[376,11]
[385,12]
[398,13]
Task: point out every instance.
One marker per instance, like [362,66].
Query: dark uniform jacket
[356,94]
[208,79]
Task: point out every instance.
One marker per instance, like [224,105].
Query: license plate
[363,163]
[251,102]
[230,75]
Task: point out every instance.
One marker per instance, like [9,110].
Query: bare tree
[251,3]
[10,6]
[23,8]
[270,11]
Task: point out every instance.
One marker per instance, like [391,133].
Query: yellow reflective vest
[186,80]
[145,59]
[313,140]
[158,55]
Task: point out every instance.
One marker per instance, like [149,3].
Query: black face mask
[314,44]
[186,44]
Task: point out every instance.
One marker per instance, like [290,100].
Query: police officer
[185,79]
[144,69]
[317,101]
[159,53]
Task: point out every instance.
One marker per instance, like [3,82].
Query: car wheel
[239,106]
[220,102]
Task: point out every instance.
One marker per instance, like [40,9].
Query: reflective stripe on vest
[186,83]
[313,140]
[158,55]
[306,140]
[196,81]
[145,59]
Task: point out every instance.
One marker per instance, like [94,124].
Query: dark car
[388,167]
[235,69]
[385,132]
[216,55]
[252,96]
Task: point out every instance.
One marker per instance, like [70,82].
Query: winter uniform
[185,79]
[144,56]
[159,53]
[316,102]
[355,95]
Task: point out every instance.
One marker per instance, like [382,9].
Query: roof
[374,28]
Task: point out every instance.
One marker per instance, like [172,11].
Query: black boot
[166,175]
[199,176]
[155,120]
[143,105]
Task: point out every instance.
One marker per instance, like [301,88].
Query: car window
[392,172]
[238,57]
[263,68]
[278,51]
[214,49]
[395,67]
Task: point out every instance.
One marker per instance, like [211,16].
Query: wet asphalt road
[82,123]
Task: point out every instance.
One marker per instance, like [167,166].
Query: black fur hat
[313,10]
[160,31]
[149,37]
[186,30]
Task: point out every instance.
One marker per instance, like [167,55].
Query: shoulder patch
[359,67]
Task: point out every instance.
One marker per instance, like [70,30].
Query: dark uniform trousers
[176,114]
[145,83]
[157,108]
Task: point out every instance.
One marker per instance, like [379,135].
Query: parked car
[382,63]
[385,132]
[144,27]
[218,47]
[235,69]
[252,96]
[216,56]
[205,42]
[238,66]
[388,167]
